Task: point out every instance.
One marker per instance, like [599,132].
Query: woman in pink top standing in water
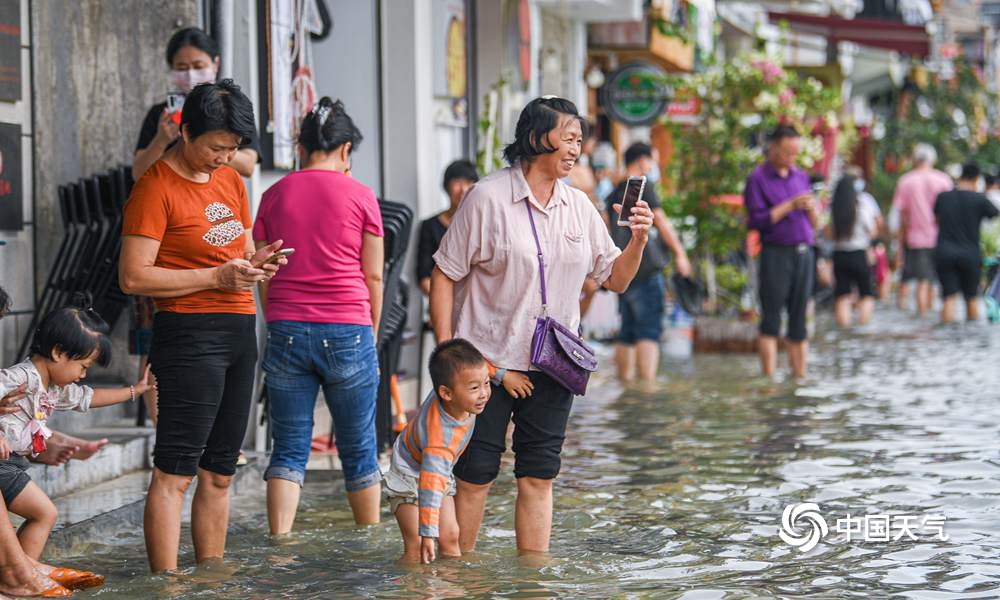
[322,315]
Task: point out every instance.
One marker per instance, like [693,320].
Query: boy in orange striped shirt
[419,483]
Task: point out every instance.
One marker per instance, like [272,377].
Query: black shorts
[204,366]
[786,282]
[852,271]
[918,263]
[13,477]
[959,273]
[539,430]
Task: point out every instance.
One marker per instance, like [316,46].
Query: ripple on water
[678,492]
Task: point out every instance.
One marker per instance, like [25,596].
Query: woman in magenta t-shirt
[322,315]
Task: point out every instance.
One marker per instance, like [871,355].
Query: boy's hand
[427,550]
[4,448]
[517,384]
[146,383]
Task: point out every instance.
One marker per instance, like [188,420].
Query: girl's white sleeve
[75,397]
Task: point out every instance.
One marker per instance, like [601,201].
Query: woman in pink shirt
[486,288]
[322,315]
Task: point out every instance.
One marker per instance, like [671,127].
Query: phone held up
[633,193]
[175,103]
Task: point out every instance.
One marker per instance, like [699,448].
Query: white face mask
[859,185]
[186,80]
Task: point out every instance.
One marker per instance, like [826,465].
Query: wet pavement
[678,492]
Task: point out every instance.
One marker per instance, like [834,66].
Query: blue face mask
[604,188]
[653,175]
[859,185]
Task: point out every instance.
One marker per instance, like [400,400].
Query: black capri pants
[539,431]
[786,282]
[204,366]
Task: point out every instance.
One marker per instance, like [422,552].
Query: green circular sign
[636,93]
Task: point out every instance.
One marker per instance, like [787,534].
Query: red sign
[683,111]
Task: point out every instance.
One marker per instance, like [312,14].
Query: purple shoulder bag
[555,349]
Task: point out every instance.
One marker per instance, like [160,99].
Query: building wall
[98,66]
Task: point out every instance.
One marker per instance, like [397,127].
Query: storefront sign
[636,94]
[11,191]
[10,50]
[683,111]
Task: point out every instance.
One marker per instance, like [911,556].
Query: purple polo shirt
[764,190]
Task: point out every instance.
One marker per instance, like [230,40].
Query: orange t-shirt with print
[198,225]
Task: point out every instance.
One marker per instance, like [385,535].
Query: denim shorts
[641,308]
[300,358]
[13,477]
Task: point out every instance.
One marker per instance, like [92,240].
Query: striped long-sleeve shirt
[427,449]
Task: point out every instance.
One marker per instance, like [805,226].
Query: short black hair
[328,127]
[218,106]
[782,132]
[5,303]
[989,179]
[636,151]
[970,171]
[460,169]
[451,357]
[76,329]
[538,118]
[191,36]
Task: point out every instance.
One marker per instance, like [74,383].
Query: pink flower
[786,96]
[768,69]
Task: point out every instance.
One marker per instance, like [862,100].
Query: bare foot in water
[61,447]
[24,581]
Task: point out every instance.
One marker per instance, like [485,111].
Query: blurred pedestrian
[957,257]
[459,177]
[637,349]
[781,206]
[852,226]
[914,199]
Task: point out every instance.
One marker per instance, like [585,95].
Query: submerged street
[679,492]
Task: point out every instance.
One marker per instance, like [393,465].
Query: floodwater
[679,492]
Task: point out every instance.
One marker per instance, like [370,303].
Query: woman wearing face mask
[193,58]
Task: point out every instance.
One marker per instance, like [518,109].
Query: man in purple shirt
[781,207]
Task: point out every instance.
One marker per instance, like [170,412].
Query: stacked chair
[397,221]
[87,258]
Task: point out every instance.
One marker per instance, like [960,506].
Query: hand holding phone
[633,193]
[273,259]
[175,104]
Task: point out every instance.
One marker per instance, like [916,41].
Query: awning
[891,35]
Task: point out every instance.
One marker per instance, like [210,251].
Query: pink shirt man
[490,253]
[916,192]
[323,215]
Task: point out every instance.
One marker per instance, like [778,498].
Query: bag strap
[541,259]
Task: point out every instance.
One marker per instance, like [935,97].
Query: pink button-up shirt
[916,192]
[490,253]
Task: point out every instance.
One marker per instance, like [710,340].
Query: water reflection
[677,492]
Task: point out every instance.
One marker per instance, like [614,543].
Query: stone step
[90,517]
[127,451]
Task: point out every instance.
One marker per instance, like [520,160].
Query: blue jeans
[301,357]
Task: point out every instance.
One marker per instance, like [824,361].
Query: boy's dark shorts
[539,430]
[13,477]
[959,273]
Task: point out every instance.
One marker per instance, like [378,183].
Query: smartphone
[633,193]
[175,103]
[278,254]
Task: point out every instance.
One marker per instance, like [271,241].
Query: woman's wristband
[131,391]
[497,378]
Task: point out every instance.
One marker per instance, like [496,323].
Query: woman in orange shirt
[186,243]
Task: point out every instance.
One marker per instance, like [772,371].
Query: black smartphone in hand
[633,193]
